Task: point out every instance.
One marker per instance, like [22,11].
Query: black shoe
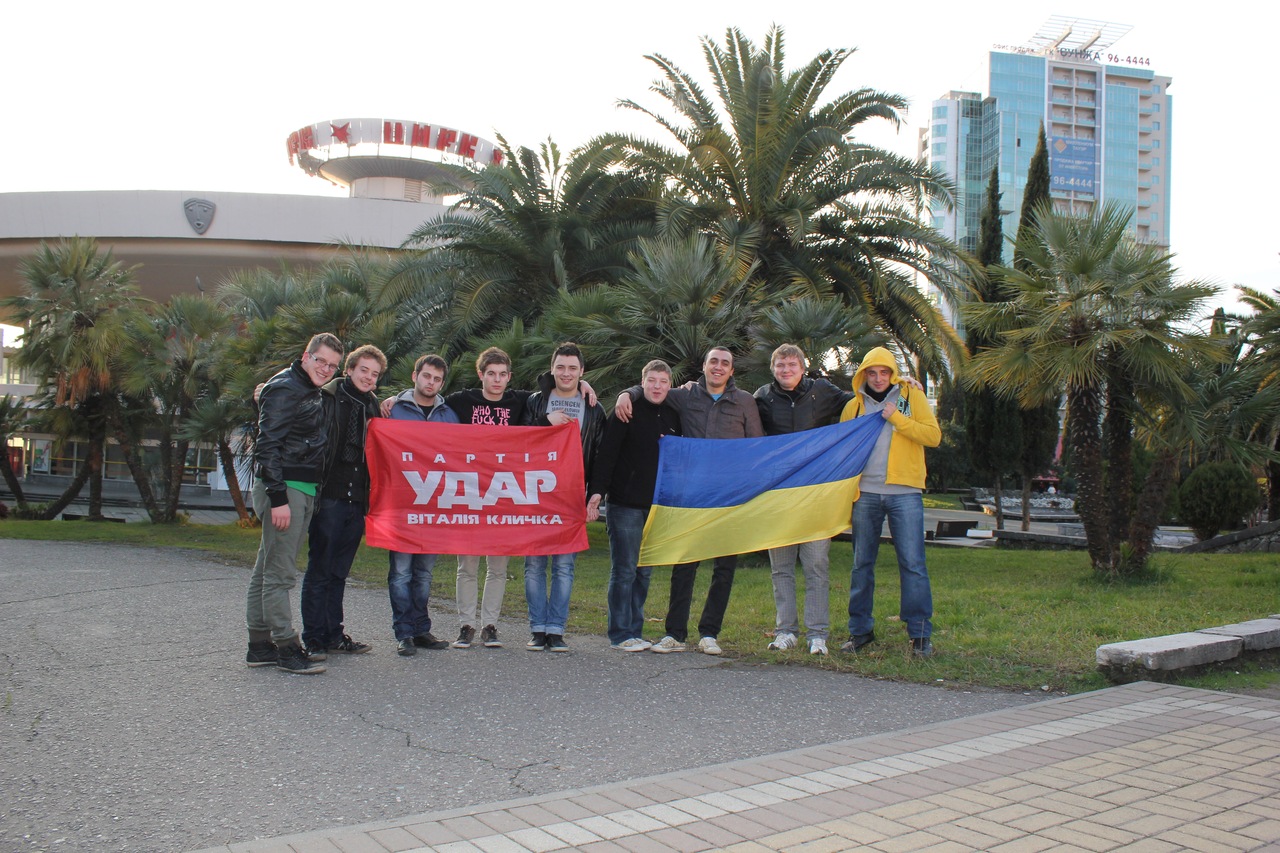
[465,636]
[262,654]
[295,661]
[858,641]
[538,643]
[556,643]
[430,641]
[317,652]
[348,646]
[489,636]
[921,647]
[406,648]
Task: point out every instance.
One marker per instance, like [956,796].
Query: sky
[176,96]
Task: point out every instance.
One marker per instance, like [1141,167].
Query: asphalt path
[128,720]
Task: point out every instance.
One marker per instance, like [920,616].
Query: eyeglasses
[322,365]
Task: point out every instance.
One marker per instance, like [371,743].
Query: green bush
[1217,495]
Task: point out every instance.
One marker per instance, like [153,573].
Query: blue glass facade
[1018,86]
[1109,129]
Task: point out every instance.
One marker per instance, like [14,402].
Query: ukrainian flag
[732,496]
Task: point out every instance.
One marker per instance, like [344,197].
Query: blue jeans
[332,542]
[409,584]
[548,610]
[906,527]
[628,583]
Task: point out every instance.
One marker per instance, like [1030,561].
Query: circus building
[189,241]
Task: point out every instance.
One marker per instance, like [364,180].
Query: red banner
[463,489]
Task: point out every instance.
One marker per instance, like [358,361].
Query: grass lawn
[1025,620]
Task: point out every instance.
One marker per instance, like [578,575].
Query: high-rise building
[1107,118]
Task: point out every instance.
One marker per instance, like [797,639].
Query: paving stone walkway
[1143,767]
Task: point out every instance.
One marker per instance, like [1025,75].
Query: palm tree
[1098,315]
[169,365]
[1262,333]
[76,305]
[537,225]
[13,416]
[681,299]
[768,164]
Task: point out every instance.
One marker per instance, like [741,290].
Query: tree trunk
[97,447]
[1151,502]
[11,477]
[1084,432]
[1273,486]
[998,491]
[72,492]
[1026,504]
[1118,430]
[228,461]
[177,468]
[138,470]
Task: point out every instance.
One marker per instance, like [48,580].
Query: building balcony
[1144,165]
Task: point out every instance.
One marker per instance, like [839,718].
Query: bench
[953,529]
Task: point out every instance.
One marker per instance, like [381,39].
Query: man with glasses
[289,464]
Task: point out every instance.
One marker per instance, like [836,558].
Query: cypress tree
[992,424]
[1039,425]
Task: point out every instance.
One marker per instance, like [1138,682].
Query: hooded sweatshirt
[897,463]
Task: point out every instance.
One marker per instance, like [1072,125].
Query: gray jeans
[276,569]
[814,556]
[495,586]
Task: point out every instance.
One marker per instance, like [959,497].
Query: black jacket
[535,414]
[346,475]
[627,467]
[291,433]
[814,403]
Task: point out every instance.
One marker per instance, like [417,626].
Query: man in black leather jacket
[289,466]
[337,525]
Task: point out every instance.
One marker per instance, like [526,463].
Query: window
[1155,179]
[1155,125]
[939,112]
[1155,108]
[939,130]
[939,149]
[1155,88]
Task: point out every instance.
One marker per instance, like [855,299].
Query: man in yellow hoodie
[890,487]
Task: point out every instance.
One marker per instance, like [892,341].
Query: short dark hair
[367,351]
[492,355]
[569,348]
[432,359]
[714,348]
[324,339]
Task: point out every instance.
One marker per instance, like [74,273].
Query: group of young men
[311,475]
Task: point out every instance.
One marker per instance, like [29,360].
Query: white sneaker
[782,641]
[709,646]
[667,645]
[817,646]
[641,645]
[632,645]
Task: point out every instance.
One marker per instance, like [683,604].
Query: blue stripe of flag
[702,473]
